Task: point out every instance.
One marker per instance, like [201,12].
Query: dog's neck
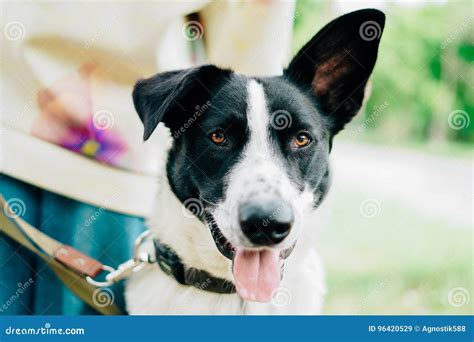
[185,234]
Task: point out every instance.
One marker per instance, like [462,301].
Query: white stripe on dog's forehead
[258,117]
[257,114]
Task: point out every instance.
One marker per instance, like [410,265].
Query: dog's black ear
[171,97]
[337,62]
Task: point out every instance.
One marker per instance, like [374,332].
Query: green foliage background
[404,260]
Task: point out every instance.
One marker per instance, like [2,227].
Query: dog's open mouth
[257,272]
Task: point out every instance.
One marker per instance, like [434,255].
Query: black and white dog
[249,157]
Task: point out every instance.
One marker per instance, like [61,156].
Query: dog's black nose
[266,222]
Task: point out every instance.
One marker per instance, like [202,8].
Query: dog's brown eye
[302,140]
[218,137]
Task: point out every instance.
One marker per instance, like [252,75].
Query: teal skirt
[27,285]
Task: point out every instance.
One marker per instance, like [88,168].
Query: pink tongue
[257,274]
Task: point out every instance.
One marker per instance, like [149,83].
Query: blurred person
[73,156]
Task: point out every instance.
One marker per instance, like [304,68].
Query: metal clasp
[138,262]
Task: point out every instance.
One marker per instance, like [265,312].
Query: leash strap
[71,266]
[78,271]
[171,264]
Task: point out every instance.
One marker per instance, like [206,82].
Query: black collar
[171,264]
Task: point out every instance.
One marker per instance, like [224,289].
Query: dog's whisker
[207,201]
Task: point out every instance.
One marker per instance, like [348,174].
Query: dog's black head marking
[322,89]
